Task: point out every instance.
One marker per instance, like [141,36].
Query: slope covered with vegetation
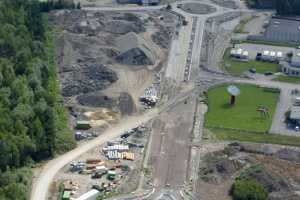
[33,122]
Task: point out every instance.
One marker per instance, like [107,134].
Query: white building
[292,68]
[239,53]
[90,195]
[295,62]
[265,55]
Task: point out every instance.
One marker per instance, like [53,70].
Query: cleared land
[240,28]
[237,67]
[275,167]
[243,115]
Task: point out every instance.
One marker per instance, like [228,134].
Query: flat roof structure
[295,113]
[296,58]
[283,30]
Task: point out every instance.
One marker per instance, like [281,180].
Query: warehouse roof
[283,30]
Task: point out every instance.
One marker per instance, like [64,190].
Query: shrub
[248,190]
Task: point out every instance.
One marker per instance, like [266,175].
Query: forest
[33,120]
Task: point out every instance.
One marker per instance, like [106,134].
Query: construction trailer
[83,125]
[272,56]
[239,53]
[111,175]
[117,147]
[66,195]
[90,195]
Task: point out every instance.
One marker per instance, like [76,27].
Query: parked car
[258,56]
[268,73]
[252,70]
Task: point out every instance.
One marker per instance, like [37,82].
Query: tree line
[33,120]
[283,7]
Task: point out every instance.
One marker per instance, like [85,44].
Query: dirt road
[41,186]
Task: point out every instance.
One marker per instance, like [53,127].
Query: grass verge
[265,43]
[223,134]
[287,79]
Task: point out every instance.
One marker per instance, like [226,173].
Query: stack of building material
[127,155]
[116,147]
[113,155]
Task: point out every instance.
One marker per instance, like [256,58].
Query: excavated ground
[90,74]
[275,167]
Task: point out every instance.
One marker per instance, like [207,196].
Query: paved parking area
[253,49]
[283,30]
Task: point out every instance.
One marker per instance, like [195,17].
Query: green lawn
[237,67]
[231,135]
[243,115]
[287,79]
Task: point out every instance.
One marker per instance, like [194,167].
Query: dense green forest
[283,7]
[33,120]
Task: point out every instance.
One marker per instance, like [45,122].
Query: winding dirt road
[40,188]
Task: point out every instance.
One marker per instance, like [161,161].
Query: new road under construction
[135,79]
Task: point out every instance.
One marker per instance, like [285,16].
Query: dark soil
[124,102]
[90,77]
[97,100]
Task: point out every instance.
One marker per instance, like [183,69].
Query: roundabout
[198,8]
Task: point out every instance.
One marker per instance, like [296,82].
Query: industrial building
[292,68]
[282,30]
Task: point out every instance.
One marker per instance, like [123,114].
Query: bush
[248,190]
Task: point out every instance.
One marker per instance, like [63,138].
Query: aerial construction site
[146,87]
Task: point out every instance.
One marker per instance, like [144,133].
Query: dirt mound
[97,100]
[217,167]
[124,103]
[272,182]
[263,163]
[289,154]
[88,78]
[123,27]
[82,22]
[163,36]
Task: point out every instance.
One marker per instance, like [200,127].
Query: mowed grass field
[243,115]
[237,67]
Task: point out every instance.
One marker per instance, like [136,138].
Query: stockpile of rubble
[275,167]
